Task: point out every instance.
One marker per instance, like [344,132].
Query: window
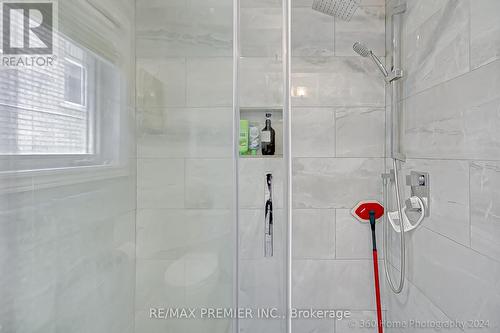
[75,83]
[62,116]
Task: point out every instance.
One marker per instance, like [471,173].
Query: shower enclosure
[202,67]
[124,197]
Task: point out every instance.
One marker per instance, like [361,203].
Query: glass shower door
[185,224]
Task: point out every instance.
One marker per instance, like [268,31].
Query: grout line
[340,157]
[452,159]
[470,35]
[470,205]
[408,280]
[333,260]
[335,233]
[336,134]
[258,108]
[186,80]
[462,245]
[136,155]
[184,181]
[334,37]
[265,158]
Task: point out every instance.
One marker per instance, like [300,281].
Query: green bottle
[244,127]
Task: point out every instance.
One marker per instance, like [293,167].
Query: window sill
[22,181]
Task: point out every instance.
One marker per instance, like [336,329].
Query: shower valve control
[419,183]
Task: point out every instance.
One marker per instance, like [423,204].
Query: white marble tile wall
[312,33]
[175,133]
[335,132]
[485,227]
[475,275]
[261,82]
[335,182]
[360,132]
[457,119]
[366,26]
[184,28]
[161,82]
[436,43]
[412,304]
[260,30]
[333,284]
[203,70]
[450,118]
[336,81]
[313,132]
[485,32]
[338,134]
[314,234]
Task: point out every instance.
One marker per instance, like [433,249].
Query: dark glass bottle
[268,138]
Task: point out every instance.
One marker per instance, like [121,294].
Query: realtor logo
[27,28]
[29,33]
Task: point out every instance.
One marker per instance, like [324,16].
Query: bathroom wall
[67,236]
[185,185]
[451,106]
[338,119]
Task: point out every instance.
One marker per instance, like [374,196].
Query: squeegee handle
[377,292]
[375,273]
[372,226]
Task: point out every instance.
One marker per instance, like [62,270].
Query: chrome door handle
[268,217]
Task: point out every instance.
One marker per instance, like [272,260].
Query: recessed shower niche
[256,117]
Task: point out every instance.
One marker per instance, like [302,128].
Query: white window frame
[22,164]
[84,83]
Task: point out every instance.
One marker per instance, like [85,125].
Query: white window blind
[74,113]
[47,110]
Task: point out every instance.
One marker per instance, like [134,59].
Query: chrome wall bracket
[395,75]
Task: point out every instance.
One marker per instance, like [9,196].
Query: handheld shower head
[361,49]
[364,51]
[342,9]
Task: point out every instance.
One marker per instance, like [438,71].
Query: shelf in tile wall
[261,156]
[261,109]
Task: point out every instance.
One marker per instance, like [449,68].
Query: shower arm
[394,75]
[380,66]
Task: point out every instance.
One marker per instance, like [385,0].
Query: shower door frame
[286,7]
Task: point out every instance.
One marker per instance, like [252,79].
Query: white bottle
[254,139]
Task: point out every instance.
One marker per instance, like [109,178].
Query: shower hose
[396,289]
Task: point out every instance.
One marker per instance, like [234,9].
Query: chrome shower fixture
[365,52]
[361,49]
[342,9]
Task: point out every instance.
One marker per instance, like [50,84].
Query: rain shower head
[364,51]
[343,9]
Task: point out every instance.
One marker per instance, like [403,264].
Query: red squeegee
[371,211]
